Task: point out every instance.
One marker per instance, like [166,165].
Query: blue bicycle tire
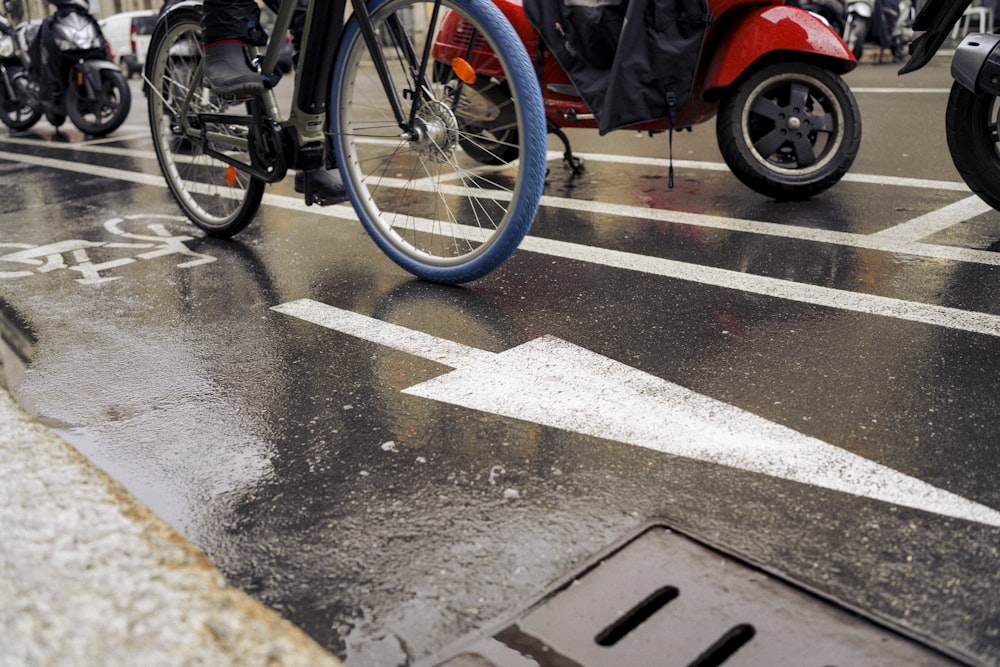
[403,188]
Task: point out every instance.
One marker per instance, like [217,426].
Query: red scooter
[787,124]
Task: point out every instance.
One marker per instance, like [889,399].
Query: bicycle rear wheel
[437,212]
[216,197]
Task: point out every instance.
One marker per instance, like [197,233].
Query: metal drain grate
[663,599]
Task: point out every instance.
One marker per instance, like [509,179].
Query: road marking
[664,163]
[157,242]
[85,168]
[935,315]
[554,383]
[905,91]
[866,241]
[935,221]
[869,304]
[552,156]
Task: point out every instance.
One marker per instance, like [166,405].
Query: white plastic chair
[983,16]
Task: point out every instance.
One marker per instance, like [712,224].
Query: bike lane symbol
[75,254]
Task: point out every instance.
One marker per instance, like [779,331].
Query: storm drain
[662,598]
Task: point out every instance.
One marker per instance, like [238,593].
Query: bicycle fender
[768,30]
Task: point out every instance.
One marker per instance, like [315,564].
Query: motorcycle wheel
[970,127]
[488,122]
[18,113]
[789,130]
[855,34]
[107,111]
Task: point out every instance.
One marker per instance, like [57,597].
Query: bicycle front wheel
[437,211]
[215,196]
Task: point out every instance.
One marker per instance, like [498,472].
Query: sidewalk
[89,576]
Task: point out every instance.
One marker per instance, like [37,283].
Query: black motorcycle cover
[631,60]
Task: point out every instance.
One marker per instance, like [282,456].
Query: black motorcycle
[16,110]
[973,111]
[71,70]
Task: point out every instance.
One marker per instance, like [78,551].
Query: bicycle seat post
[324,21]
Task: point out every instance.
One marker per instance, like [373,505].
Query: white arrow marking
[552,382]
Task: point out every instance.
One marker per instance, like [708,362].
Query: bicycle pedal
[320,188]
[320,201]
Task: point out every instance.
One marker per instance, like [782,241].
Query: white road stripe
[935,315]
[905,91]
[936,221]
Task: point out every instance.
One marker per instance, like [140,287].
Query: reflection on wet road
[396,481]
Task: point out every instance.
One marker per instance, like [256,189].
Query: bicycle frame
[301,136]
[368,100]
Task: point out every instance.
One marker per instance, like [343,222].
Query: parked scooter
[16,110]
[71,71]
[834,12]
[886,23]
[786,123]
[971,114]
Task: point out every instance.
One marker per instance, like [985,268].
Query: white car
[128,35]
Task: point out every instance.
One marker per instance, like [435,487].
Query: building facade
[36,9]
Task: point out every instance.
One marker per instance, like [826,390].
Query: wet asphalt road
[333,474]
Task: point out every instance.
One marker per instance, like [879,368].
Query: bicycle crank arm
[263,142]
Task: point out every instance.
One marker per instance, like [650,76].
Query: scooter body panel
[734,44]
[86,74]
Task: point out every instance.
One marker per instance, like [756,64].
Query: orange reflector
[463,70]
[231,176]
[79,78]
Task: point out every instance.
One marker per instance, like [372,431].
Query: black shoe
[227,72]
[325,187]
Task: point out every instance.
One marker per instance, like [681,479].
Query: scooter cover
[632,61]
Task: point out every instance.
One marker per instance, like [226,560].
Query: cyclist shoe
[326,187]
[227,72]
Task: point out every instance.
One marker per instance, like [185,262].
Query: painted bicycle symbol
[78,255]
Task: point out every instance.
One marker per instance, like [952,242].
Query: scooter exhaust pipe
[976,64]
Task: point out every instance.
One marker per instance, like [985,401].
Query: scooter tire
[96,122]
[789,130]
[970,128]
[492,142]
[17,114]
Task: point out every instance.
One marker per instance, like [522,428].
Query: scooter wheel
[105,110]
[970,127]
[789,130]
[17,113]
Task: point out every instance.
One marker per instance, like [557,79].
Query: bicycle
[396,120]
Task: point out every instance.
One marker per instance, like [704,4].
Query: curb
[92,577]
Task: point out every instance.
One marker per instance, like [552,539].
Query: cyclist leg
[324,186]
[226,25]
